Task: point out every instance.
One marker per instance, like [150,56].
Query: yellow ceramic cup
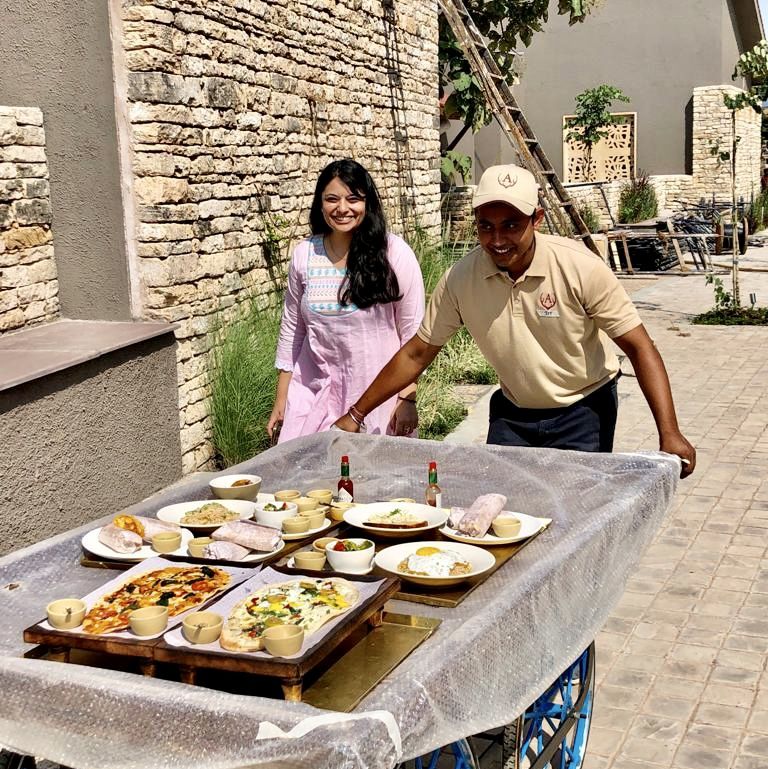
[202,627]
[287,495]
[315,518]
[283,640]
[66,613]
[506,526]
[197,545]
[166,541]
[296,525]
[309,559]
[149,620]
[321,495]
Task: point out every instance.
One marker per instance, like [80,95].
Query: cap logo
[507,180]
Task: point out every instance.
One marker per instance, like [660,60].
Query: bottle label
[344,495]
[439,499]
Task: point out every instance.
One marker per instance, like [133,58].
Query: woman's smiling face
[343,209]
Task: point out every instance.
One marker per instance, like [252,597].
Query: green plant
[638,201]
[590,217]
[455,164]
[593,116]
[723,298]
[503,23]
[757,213]
[242,379]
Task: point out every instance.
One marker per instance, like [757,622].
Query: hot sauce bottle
[433,494]
[345,488]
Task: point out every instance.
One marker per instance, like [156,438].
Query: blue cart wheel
[553,731]
[457,755]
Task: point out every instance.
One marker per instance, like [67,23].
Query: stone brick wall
[28,280]
[232,109]
[712,135]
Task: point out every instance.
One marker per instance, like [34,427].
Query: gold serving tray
[357,673]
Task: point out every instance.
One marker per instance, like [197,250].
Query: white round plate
[528,527]
[91,543]
[174,513]
[358,515]
[301,535]
[389,558]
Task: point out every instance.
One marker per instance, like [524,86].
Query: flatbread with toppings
[308,603]
[396,519]
[177,587]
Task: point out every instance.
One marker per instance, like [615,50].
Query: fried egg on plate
[441,563]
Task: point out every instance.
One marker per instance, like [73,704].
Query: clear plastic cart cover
[489,659]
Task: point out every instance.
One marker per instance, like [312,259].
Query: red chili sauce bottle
[345,487]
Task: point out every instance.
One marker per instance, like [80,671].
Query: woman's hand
[278,412]
[404,419]
[347,424]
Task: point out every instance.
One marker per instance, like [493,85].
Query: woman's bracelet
[407,400]
[357,417]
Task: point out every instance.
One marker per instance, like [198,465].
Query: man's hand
[347,424]
[404,419]
[678,444]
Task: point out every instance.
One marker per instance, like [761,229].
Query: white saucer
[290,537]
[529,525]
[90,542]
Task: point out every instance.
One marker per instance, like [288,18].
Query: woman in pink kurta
[355,295]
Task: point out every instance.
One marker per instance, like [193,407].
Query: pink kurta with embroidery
[335,352]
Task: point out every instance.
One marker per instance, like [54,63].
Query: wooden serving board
[449,596]
[289,672]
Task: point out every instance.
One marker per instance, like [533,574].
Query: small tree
[752,65]
[593,117]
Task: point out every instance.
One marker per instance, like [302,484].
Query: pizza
[177,587]
[308,603]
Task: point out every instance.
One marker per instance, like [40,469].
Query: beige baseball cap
[508,184]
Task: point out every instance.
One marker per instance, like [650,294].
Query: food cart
[491,656]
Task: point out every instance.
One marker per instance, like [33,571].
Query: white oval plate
[389,558]
[358,515]
[91,543]
[528,527]
[301,535]
[174,513]
[255,557]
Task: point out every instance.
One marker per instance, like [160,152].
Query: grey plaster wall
[656,51]
[57,56]
[88,441]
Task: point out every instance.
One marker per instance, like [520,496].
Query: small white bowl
[222,487]
[202,627]
[66,613]
[350,561]
[274,518]
[149,620]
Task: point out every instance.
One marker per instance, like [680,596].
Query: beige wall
[231,109]
[87,441]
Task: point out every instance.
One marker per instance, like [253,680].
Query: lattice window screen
[612,158]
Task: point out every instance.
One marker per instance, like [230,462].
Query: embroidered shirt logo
[507,180]
[547,306]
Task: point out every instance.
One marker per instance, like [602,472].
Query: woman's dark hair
[370,279]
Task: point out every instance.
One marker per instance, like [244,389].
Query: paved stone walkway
[681,663]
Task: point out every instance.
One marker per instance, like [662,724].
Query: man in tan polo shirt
[543,311]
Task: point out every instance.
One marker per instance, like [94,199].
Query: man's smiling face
[507,235]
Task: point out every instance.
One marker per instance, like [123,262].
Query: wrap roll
[479,517]
[225,551]
[145,527]
[119,540]
[252,535]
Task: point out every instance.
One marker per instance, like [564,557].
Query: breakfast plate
[255,557]
[175,513]
[529,525]
[91,543]
[432,518]
[439,558]
[301,535]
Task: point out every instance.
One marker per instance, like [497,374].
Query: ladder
[562,216]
